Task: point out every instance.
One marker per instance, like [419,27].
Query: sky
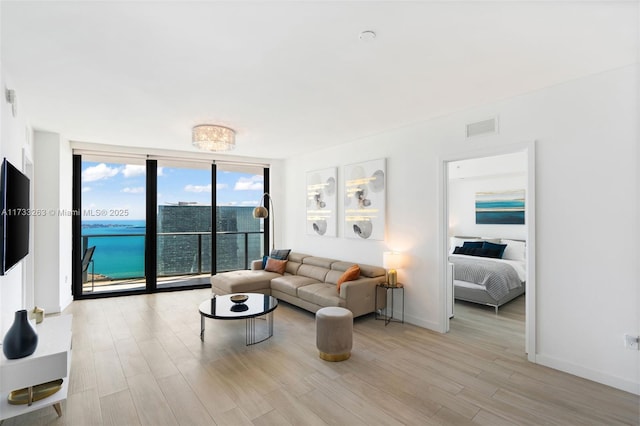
[116,191]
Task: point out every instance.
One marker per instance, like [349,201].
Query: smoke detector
[367,36]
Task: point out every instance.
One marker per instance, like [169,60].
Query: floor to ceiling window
[183,224]
[147,225]
[113,225]
[240,237]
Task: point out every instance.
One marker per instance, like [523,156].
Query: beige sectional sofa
[308,282]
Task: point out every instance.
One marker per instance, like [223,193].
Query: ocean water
[119,247]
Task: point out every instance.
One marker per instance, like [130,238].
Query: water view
[119,247]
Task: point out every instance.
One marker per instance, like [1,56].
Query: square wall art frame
[365,199]
[322,202]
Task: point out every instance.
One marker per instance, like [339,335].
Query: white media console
[50,361]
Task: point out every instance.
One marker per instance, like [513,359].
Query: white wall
[586,135]
[14,145]
[468,177]
[52,232]
[25,286]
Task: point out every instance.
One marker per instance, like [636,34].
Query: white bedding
[518,265]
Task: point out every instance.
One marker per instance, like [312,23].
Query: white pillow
[515,250]
[458,242]
[491,240]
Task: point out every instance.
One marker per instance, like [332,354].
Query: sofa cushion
[297,257]
[289,284]
[322,294]
[322,262]
[315,272]
[243,281]
[292,267]
[275,265]
[372,271]
[365,270]
[353,273]
[341,266]
[294,261]
[333,277]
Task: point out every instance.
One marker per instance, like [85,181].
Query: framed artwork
[365,200]
[500,207]
[322,202]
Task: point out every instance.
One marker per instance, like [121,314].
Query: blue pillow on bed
[472,244]
[479,251]
[496,250]
[460,250]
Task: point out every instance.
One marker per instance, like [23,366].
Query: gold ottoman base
[335,357]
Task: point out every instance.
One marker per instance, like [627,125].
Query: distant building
[191,252]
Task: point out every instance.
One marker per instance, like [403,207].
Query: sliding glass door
[113,226]
[240,237]
[183,224]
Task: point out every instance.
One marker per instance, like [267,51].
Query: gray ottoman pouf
[334,333]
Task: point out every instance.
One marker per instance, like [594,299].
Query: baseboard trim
[585,373]
[430,325]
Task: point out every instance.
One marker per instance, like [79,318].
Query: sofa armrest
[256,265]
[360,295]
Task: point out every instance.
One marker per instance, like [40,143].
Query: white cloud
[132,170]
[198,188]
[250,203]
[101,171]
[254,183]
[160,171]
[136,190]
[86,188]
[220,186]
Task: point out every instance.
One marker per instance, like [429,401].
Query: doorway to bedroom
[488,223]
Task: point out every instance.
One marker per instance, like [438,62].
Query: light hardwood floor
[138,360]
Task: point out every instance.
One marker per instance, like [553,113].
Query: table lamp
[392,260]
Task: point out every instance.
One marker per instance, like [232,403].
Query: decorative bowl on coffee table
[239,298]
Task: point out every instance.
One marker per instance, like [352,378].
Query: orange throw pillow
[275,265]
[353,273]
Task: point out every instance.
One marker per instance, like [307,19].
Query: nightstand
[386,313]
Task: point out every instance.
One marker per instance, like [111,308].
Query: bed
[488,271]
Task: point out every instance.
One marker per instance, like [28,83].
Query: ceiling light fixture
[210,137]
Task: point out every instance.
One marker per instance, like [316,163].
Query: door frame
[530,219]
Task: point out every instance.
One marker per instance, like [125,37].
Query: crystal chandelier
[210,137]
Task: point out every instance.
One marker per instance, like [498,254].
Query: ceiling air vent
[484,127]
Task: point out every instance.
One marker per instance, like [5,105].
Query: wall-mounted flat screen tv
[14,221]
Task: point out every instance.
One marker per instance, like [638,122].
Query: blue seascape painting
[500,208]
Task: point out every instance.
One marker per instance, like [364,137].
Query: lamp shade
[392,260]
[260,212]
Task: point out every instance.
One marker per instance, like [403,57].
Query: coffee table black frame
[221,307]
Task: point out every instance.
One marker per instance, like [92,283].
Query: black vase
[21,340]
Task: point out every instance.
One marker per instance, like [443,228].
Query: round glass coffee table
[256,305]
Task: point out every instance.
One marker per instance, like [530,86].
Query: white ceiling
[291,77]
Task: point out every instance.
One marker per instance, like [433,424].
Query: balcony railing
[179,253]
